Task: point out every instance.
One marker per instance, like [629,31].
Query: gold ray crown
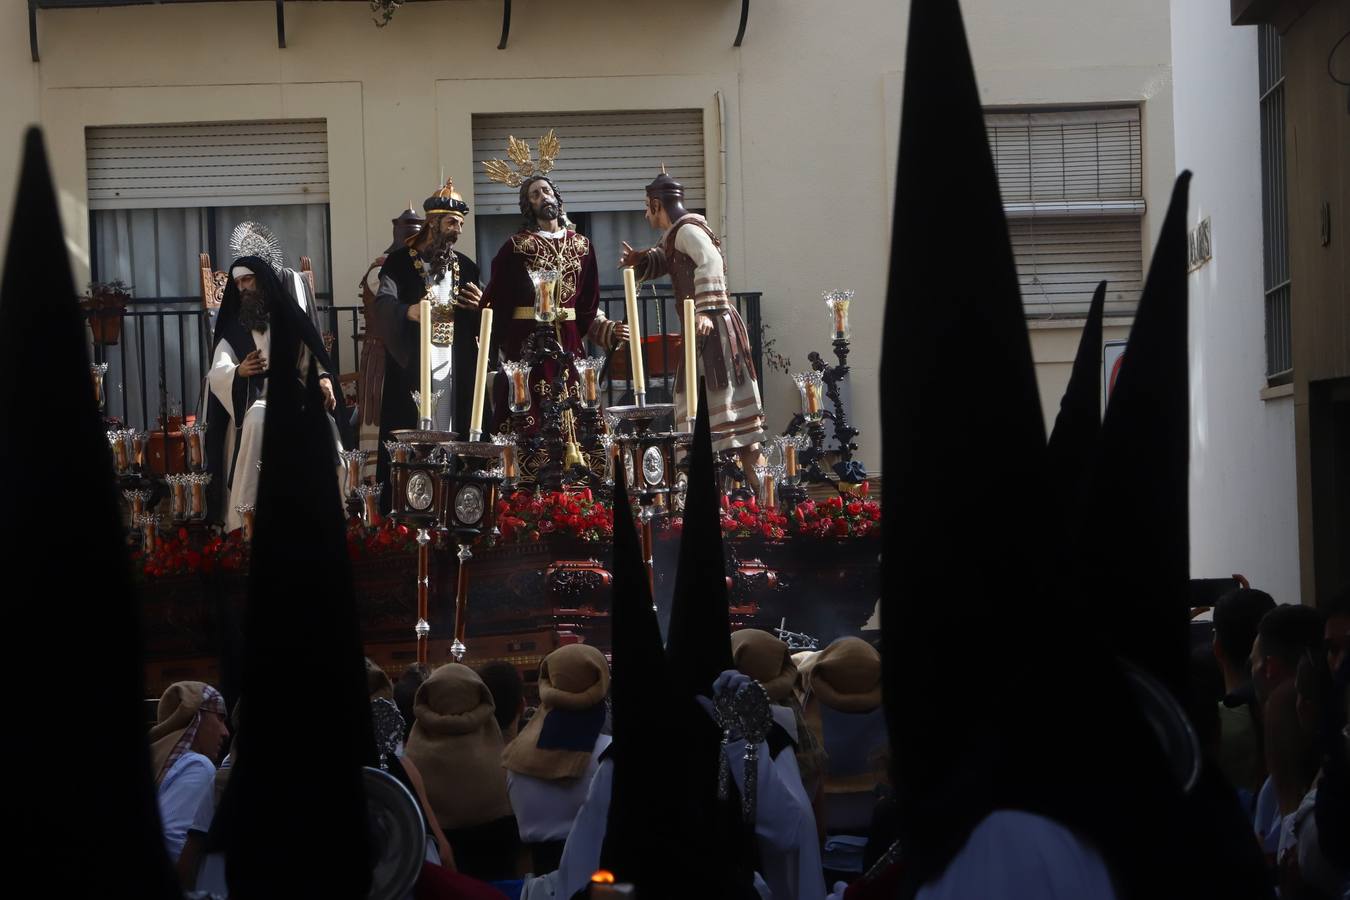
[525,167]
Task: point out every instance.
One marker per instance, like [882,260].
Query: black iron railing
[158,354]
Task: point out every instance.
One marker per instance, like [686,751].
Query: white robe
[545,810]
[442,369]
[794,871]
[248,462]
[784,830]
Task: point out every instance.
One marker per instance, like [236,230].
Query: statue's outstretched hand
[628,256]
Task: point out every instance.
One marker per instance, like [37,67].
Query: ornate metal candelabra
[565,447]
[825,378]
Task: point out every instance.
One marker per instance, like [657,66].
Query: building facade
[792,136]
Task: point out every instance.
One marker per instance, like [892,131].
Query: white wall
[811,107]
[1243,502]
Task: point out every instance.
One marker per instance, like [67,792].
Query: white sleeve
[778,814]
[709,277]
[206,810]
[221,376]
[1013,855]
[581,853]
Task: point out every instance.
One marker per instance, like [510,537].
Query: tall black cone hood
[301,617]
[698,645]
[64,528]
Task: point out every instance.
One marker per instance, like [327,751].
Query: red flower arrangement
[173,556]
[525,517]
[385,539]
[846,516]
[745,519]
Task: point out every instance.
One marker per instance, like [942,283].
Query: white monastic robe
[243,478]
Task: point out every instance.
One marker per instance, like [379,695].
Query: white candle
[690,358]
[424,376]
[634,330]
[480,374]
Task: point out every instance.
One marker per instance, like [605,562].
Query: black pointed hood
[664,804]
[301,618]
[698,645]
[964,458]
[1073,440]
[1141,493]
[645,816]
[1071,455]
[64,528]
[1043,722]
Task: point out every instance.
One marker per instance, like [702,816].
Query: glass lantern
[588,370]
[96,372]
[510,472]
[354,460]
[545,283]
[838,302]
[518,377]
[789,446]
[812,388]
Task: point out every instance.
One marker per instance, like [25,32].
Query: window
[159,196]
[607,160]
[1072,187]
[1274,206]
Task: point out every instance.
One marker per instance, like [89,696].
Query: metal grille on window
[1274,203]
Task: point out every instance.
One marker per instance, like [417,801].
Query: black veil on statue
[246,390]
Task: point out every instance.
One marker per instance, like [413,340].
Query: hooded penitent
[766,659]
[559,740]
[995,698]
[456,745]
[843,711]
[64,530]
[658,729]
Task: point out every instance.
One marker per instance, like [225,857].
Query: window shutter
[606,160]
[1068,163]
[208,164]
[1059,262]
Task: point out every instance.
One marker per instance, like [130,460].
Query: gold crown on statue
[525,167]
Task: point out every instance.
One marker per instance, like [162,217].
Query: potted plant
[106,303]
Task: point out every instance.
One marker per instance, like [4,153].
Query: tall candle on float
[691,358]
[634,334]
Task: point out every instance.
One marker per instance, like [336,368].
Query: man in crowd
[508,695]
[236,402]
[1236,617]
[185,744]
[549,766]
[1285,634]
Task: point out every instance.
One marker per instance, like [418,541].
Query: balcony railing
[157,367]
